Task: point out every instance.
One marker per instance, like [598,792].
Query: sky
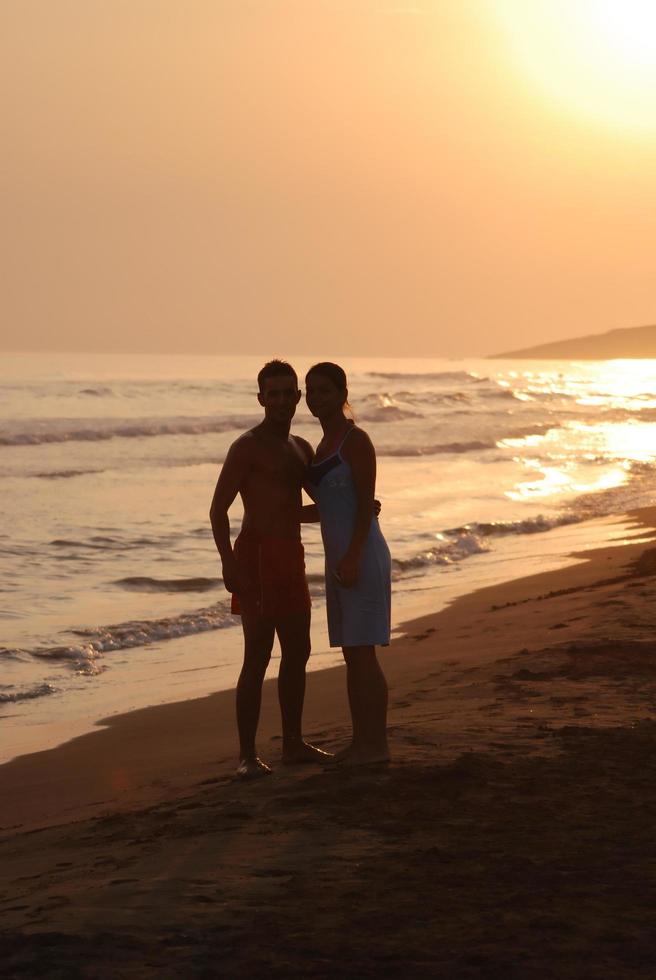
[446,178]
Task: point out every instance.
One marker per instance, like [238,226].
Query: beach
[340,314]
[512,835]
[111,597]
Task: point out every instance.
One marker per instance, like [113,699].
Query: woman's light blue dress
[359,616]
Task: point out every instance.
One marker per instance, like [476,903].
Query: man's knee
[259,635]
[296,653]
[257,657]
[294,636]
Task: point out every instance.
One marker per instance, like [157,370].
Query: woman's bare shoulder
[357,439]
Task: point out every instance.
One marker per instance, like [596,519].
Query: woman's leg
[367,692]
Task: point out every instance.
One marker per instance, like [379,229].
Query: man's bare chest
[283,467]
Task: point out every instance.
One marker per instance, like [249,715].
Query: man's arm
[231,479]
[309,512]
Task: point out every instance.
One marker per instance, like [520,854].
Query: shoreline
[511,836]
[142,756]
[201,664]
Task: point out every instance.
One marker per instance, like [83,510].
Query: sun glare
[594,58]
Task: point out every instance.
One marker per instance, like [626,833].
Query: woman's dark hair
[337,375]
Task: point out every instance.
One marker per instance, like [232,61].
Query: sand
[512,836]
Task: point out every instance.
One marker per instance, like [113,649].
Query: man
[265,572]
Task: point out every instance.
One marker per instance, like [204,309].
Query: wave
[432,397]
[99,392]
[383,407]
[19,551]
[99,542]
[97,641]
[448,551]
[459,543]
[65,474]
[437,449]
[29,694]
[509,394]
[467,446]
[388,413]
[529,525]
[116,542]
[138,583]
[466,376]
[37,432]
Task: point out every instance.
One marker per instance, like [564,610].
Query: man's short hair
[275,369]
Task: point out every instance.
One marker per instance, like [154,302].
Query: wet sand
[512,836]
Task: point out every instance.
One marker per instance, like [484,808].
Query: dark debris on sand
[543,867]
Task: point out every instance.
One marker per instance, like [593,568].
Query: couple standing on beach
[265,571]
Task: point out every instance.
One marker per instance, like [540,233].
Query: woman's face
[323,397]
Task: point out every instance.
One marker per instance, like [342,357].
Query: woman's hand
[347,571]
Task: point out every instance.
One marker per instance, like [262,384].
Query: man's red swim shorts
[271,575]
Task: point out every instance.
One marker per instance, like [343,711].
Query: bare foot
[343,754]
[252,769]
[302,753]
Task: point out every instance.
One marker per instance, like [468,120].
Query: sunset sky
[402,177]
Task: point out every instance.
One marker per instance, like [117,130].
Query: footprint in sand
[417,740]
[272,873]
[53,902]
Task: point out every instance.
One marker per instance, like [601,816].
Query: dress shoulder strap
[346,435]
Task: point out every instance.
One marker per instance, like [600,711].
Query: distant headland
[631,342]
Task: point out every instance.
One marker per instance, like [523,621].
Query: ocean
[110,590]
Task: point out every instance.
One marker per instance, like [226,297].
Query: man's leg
[258,643]
[294,635]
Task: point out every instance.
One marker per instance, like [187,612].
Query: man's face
[279,398]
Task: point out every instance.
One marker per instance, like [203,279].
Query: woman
[342,480]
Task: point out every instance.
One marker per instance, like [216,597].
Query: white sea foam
[97,641]
[449,550]
[10,695]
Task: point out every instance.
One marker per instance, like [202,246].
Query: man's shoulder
[245,444]
[255,444]
[304,446]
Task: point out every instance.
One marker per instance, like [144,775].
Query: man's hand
[377,507]
[230,574]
